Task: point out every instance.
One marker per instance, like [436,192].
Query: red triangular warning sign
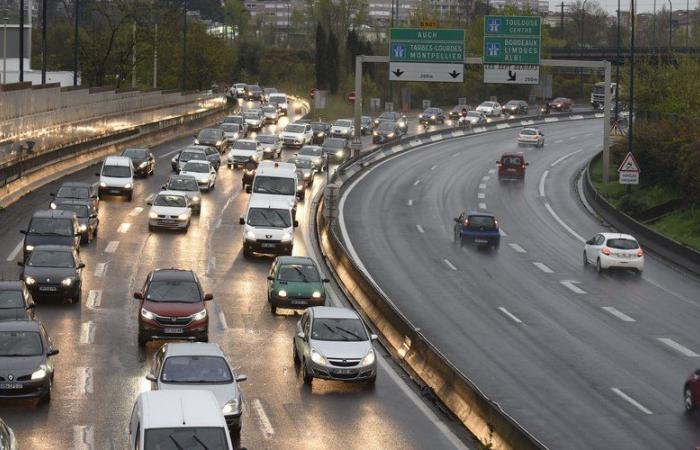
[629,164]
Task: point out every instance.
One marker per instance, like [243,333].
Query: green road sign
[512,39]
[426,45]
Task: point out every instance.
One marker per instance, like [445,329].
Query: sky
[641,5]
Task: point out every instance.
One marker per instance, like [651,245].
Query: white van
[117,177]
[280,100]
[278,181]
[269,226]
[178,419]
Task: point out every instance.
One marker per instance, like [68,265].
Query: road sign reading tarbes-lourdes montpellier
[421,54]
[512,49]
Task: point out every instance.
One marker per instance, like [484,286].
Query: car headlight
[218,143]
[174,160]
[182,216]
[287,237]
[432,117]
[375,133]
[282,293]
[391,135]
[196,199]
[29,281]
[143,164]
[40,373]
[153,215]
[200,315]
[196,141]
[67,282]
[376,122]
[318,358]
[83,227]
[128,186]
[249,172]
[316,294]
[368,359]
[321,134]
[29,248]
[103,184]
[250,236]
[53,205]
[231,407]
[307,176]
[146,314]
[339,153]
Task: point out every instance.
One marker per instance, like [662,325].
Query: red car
[511,166]
[691,392]
[561,104]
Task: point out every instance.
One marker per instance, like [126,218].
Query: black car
[212,137]
[79,190]
[15,301]
[253,92]
[337,149]
[457,112]
[365,125]
[86,213]
[50,226]
[143,160]
[392,116]
[26,363]
[54,271]
[188,185]
[321,130]
[515,107]
[432,116]
[386,132]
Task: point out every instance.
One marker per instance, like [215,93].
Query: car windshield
[310,151]
[269,217]
[252,115]
[511,161]
[60,227]
[473,114]
[338,330]
[196,167]
[11,299]
[318,126]
[234,119]
[196,369]
[387,115]
[386,126]
[305,273]
[482,223]
[528,132]
[73,192]
[79,210]
[343,123]
[301,163]
[623,244]
[185,291]
[20,343]
[181,184]
[487,104]
[189,438]
[173,201]
[274,185]
[230,127]
[116,171]
[277,99]
[135,153]
[245,145]
[208,133]
[198,155]
[294,128]
[559,100]
[269,109]
[430,111]
[334,143]
[266,139]
[253,87]
[51,258]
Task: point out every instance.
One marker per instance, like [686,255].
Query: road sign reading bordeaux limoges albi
[512,49]
[420,54]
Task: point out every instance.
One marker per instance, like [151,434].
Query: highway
[100,369]
[580,360]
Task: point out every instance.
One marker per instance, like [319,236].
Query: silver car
[314,153]
[334,344]
[271,145]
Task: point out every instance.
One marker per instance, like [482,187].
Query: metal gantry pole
[21,41]
[617,65]
[184,46]
[4,46]
[357,135]
[76,44]
[670,25]
[687,23]
[606,125]
[630,126]
[155,57]
[44,51]
[133,55]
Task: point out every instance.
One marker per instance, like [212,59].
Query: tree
[333,63]
[321,58]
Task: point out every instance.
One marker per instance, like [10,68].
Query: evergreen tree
[333,63]
[321,58]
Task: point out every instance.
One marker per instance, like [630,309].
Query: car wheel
[372,380]
[142,340]
[130,197]
[585,259]
[598,266]
[94,233]
[150,227]
[308,378]
[688,400]
[638,272]
[78,298]
[496,245]
[295,355]
[273,309]
[46,399]
[246,253]
[230,166]
[204,339]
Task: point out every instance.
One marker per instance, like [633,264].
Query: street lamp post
[184,45]
[44,52]
[580,42]
[687,23]
[21,41]
[630,126]
[617,66]
[76,44]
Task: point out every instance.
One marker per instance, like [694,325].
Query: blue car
[480,228]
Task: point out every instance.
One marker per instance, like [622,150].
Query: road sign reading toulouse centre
[512,39]
[426,45]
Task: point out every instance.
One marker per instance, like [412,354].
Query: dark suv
[511,166]
[172,306]
[56,227]
[480,228]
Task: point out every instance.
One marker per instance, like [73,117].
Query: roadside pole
[356,145]
[606,125]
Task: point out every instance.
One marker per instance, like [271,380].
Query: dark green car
[294,282]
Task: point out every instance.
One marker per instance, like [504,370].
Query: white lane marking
[169,153]
[563,158]
[415,143]
[449,264]
[409,203]
[211,265]
[85,381]
[87,332]
[588,134]
[112,246]
[685,351]
[420,229]
[563,224]
[492,171]
[136,211]
[527,122]
[502,126]
[631,401]
[573,137]
[263,421]
[670,292]
[15,252]
[124,228]
[485,178]
[482,186]
[222,320]
[433,168]
[149,197]
[479,130]
[457,133]
[482,205]
[436,137]
[543,267]
[100,269]
[542,181]
[416,183]
[480,195]
[503,233]
[551,119]
[517,248]
[576,117]
[558,141]
[83,437]
[571,285]
[617,313]
[94,299]
[509,314]
[599,115]
[455,155]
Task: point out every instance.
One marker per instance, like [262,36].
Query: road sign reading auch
[426,45]
[512,39]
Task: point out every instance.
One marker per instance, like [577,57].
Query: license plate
[114,191]
[268,245]
[481,241]
[510,170]
[344,371]
[167,221]
[174,330]
[47,288]
[299,302]
[11,385]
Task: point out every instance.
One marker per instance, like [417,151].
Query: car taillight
[466,222]
[605,251]
[640,253]
[495,222]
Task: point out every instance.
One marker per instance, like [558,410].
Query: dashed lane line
[509,314]
[83,437]
[481,195]
[558,141]
[542,181]
[482,186]
[485,178]
[517,248]
[542,267]
[87,332]
[416,183]
[420,229]
[112,247]
[94,300]
[617,313]
[433,168]
[563,224]
[571,285]
[685,351]
[492,171]
[482,205]
[100,270]
[15,252]
[85,381]
[124,228]
[563,158]
[263,420]
[136,211]
[449,264]
[631,401]
[409,202]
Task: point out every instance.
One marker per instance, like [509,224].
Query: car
[280,100]
[306,168]
[344,128]
[386,132]
[249,170]
[177,366]
[277,180]
[432,116]
[232,131]
[238,90]
[254,119]
[691,392]
[212,137]
[480,228]
[204,173]
[511,166]
[490,109]
[238,120]
[296,135]
[365,125]
[270,114]
[294,282]
[473,118]
[242,151]
[531,136]
[7,437]
[269,226]
[169,209]
[561,104]
[303,120]
[515,107]
[88,220]
[266,93]
[77,190]
[320,130]
[392,116]
[334,344]
[192,153]
[302,184]
[188,186]
[213,155]
[253,92]
[613,250]
[117,177]
[457,112]
[172,305]
[315,154]
[271,145]
[142,159]
[26,360]
[50,226]
[337,149]
[16,302]
[54,271]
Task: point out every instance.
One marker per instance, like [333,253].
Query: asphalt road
[580,360]
[100,369]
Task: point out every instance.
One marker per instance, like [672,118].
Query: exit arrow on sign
[398,73]
[454,74]
[511,75]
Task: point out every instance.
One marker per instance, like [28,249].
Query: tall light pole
[630,127]
[21,41]
[656,43]
[580,42]
[687,23]
[76,44]
[44,52]
[670,26]
[184,45]
[617,66]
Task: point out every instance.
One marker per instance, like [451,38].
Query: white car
[314,153]
[117,177]
[344,128]
[280,100]
[270,114]
[202,171]
[269,226]
[254,119]
[472,118]
[491,109]
[297,135]
[242,151]
[608,250]
[170,209]
[531,136]
[232,131]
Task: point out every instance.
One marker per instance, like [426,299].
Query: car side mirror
[456,219]
[151,377]
[138,295]
[23,231]
[248,189]
[97,174]
[296,223]
[208,297]
[241,221]
[271,278]
[589,242]
[241,377]
[53,194]
[301,335]
[326,280]
[527,163]
[81,266]
[20,263]
[149,203]
[373,337]
[93,216]
[163,186]
[52,352]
